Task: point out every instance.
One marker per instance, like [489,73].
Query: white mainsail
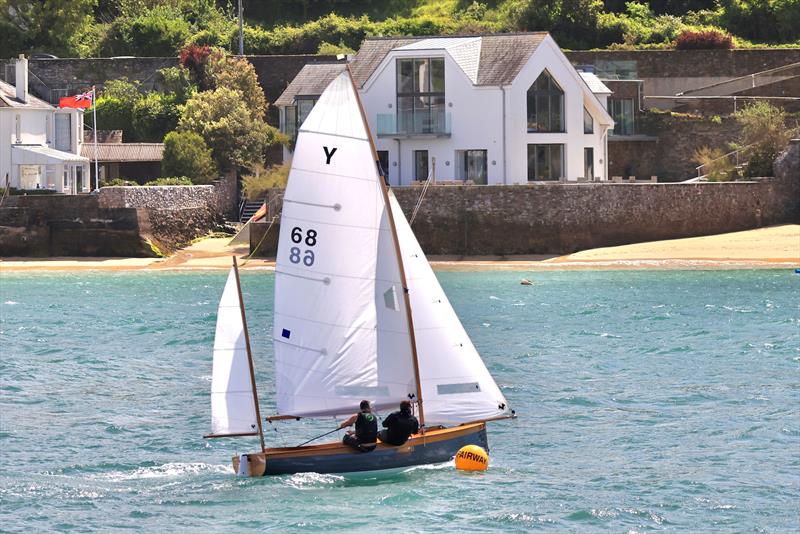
[340,327]
[233,410]
[456,386]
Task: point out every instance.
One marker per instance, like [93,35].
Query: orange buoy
[472,458]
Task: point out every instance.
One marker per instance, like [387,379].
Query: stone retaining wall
[564,218]
[80,225]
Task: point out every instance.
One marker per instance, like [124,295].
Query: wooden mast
[249,354]
[407,299]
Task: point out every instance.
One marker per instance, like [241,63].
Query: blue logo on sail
[286,333]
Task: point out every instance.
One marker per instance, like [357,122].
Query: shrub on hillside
[237,74]
[762,20]
[256,184]
[765,134]
[154,114]
[703,40]
[715,166]
[159,31]
[115,114]
[172,180]
[194,58]
[235,136]
[186,154]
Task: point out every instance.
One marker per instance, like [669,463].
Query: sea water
[647,401]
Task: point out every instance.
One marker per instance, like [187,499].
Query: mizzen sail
[233,410]
[340,329]
[456,386]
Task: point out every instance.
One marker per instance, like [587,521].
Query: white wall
[549,57]
[476,120]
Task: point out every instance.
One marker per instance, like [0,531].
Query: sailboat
[358,314]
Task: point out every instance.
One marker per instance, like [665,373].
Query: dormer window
[545,105]
[420,95]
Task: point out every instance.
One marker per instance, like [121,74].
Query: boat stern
[249,465]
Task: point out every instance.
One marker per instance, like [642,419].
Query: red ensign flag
[81,101]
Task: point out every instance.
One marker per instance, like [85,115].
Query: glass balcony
[414,124]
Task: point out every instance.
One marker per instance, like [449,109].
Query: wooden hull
[434,446]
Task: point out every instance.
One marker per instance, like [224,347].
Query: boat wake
[169,470]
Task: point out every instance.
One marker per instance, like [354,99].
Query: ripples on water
[648,401]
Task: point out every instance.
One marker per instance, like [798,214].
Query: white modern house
[40,145]
[492,109]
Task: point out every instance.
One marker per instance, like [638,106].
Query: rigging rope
[421,196]
[266,233]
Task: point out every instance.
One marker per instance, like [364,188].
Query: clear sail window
[463,387]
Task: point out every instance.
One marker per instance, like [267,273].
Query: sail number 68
[310,240]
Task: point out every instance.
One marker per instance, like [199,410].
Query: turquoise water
[648,401]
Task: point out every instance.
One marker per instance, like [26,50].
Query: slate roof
[595,84]
[124,152]
[312,79]
[8,98]
[502,56]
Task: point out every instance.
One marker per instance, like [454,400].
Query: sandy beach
[772,247]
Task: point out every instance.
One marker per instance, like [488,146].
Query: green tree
[115,107]
[222,118]
[186,154]
[573,23]
[27,26]
[237,74]
[764,130]
[763,20]
[160,31]
[154,114]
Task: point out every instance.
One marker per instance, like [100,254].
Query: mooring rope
[266,233]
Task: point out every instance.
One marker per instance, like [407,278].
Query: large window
[545,105]
[421,165]
[621,110]
[420,95]
[588,122]
[295,115]
[588,163]
[475,166]
[63,130]
[545,162]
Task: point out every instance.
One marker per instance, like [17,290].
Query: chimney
[21,79]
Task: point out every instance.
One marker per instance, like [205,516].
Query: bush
[237,74]
[115,114]
[235,136]
[762,20]
[173,180]
[178,81]
[765,132]
[159,31]
[256,184]
[154,114]
[117,182]
[703,40]
[716,167]
[186,154]
[194,58]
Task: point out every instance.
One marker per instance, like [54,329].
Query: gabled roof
[312,79]
[8,99]
[124,152]
[494,59]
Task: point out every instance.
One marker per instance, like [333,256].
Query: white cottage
[39,144]
[492,109]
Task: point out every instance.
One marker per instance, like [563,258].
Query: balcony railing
[412,124]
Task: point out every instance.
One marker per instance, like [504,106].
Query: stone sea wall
[564,218]
[118,221]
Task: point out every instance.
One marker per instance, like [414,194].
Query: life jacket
[366,427]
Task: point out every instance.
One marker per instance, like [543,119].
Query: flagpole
[94,123]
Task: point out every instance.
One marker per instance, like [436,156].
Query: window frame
[536,176]
[424,108]
[624,124]
[588,121]
[416,154]
[536,96]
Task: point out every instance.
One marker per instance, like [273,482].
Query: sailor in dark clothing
[399,426]
[363,439]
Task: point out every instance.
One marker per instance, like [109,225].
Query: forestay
[340,328]
[456,386]
[233,408]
